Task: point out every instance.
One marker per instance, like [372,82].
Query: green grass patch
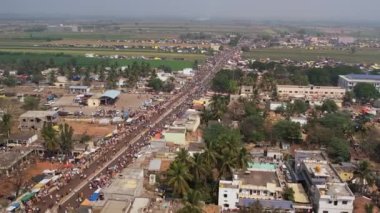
[62,59]
[297,54]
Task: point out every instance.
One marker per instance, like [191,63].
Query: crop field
[60,59]
[360,56]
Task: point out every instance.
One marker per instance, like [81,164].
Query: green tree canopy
[31,103]
[329,106]
[338,150]
[252,128]
[365,92]
[287,131]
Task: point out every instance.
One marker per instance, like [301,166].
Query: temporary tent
[95,195]
[13,206]
[86,202]
[27,197]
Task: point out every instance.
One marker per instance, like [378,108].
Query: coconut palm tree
[364,175]
[209,155]
[226,164]
[198,169]
[184,157]
[243,158]
[192,202]
[219,105]
[49,134]
[178,178]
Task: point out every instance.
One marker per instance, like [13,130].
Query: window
[335,203]
[225,195]
[325,211]
[330,202]
[344,202]
[226,205]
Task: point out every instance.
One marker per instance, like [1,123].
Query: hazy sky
[247,9]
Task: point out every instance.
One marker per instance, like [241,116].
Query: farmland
[361,56]
[61,59]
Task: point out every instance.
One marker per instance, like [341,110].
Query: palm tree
[243,158]
[226,164]
[192,202]
[178,178]
[184,157]
[49,135]
[65,138]
[218,105]
[198,169]
[364,175]
[209,154]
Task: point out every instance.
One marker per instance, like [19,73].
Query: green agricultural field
[83,51]
[360,56]
[61,59]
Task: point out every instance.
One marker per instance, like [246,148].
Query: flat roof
[259,178]
[21,136]
[176,130]
[362,77]
[115,206]
[309,87]
[300,195]
[78,87]
[111,94]
[273,204]
[38,114]
[138,204]
[308,154]
[336,189]
[10,158]
[154,165]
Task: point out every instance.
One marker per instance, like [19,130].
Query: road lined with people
[120,150]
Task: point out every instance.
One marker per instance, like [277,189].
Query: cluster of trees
[31,103]
[195,36]
[57,140]
[199,174]
[228,81]
[333,131]
[365,92]
[5,125]
[158,85]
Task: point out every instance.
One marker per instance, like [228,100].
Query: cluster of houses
[316,183]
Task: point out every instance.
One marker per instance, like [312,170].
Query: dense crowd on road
[118,151]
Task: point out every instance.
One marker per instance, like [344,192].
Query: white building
[32,120]
[310,93]
[301,120]
[252,184]
[349,81]
[328,193]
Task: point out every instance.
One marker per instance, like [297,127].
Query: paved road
[175,106]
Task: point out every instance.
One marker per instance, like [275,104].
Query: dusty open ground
[92,130]
[6,185]
[125,102]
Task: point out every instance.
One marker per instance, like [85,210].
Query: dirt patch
[93,130]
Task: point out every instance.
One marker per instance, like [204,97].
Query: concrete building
[22,138]
[79,89]
[302,121]
[125,186]
[348,82]
[33,120]
[263,185]
[176,135]
[310,93]
[246,90]
[190,120]
[327,191]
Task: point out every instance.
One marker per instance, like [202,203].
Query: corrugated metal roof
[363,77]
[274,204]
[78,87]
[154,165]
[111,94]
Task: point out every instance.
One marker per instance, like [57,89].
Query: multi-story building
[327,192]
[33,120]
[256,185]
[349,81]
[310,93]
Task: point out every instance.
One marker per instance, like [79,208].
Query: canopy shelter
[86,202]
[13,206]
[95,195]
[28,196]
[109,97]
